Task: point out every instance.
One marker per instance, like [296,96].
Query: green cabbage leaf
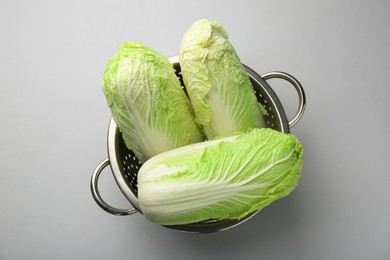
[218,86]
[147,102]
[225,178]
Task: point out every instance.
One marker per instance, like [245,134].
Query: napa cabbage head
[147,101]
[226,178]
[219,88]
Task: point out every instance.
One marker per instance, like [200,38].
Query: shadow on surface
[266,229]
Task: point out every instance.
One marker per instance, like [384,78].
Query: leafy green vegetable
[226,178]
[218,86]
[147,102]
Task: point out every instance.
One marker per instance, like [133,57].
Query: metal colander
[125,165]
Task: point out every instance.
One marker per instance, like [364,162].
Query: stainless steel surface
[96,194]
[298,87]
[125,165]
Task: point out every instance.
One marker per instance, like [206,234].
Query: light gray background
[54,122]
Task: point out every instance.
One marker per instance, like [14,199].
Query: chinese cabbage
[226,178]
[147,102]
[218,86]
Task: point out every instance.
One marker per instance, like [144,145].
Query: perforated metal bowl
[125,165]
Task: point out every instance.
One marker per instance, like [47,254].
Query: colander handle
[298,87]
[96,194]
